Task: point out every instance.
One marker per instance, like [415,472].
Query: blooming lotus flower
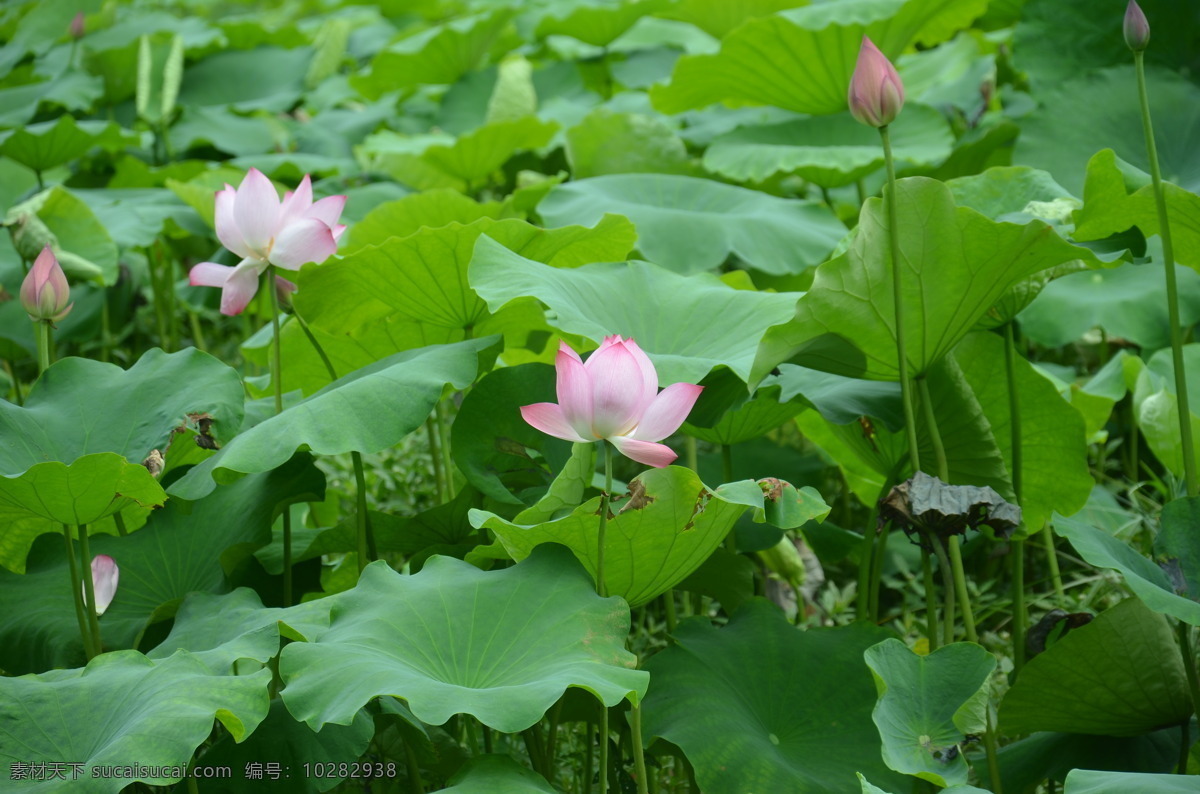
[614,397]
[254,224]
[876,93]
[1137,27]
[104,581]
[44,292]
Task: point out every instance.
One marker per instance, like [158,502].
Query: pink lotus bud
[44,292]
[614,397]
[876,93]
[78,27]
[1137,28]
[105,575]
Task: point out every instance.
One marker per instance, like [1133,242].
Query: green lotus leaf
[718,17]
[220,79]
[760,706]
[155,714]
[706,324]
[1025,763]
[957,265]
[662,531]
[829,151]
[1119,675]
[598,24]
[500,645]
[497,774]
[690,225]
[802,59]
[927,706]
[1087,781]
[622,143]
[60,219]
[405,216]
[367,411]
[49,143]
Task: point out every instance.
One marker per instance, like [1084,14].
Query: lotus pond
[527,396]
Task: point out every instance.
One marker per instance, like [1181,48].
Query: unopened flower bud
[1137,28]
[77,27]
[105,576]
[876,94]
[44,292]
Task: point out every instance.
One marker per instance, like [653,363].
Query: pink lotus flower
[876,93]
[254,224]
[44,292]
[614,397]
[104,581]
[1137,27]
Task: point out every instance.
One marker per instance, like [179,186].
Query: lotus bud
[44,292]
[1137,28]
[105,575]
[77,27]
[876,93]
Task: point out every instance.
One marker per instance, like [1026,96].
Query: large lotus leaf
[598,24]
[405,216]
[121,710]
[1157,407]
[136,217]
[927,706]
[1081,116]
[1087,781]
[1145,579]
[82,245]
[497,774]
[179,550]
[870,788]
[956,264]
[1119,675]
[759,415]
[662,530]
[829,150]
[690,225]
[622,143]
[468,162]
[439,55]
[1128,302]
[295,747]
[1054,452]
[841,400]
[220,79]
[366,411]
[50,143]
[760,706]
[705,324]
[423,277]
[1007,192]
[718,17]
[1110,205]
[802,59]
[1025,763]
[500,645]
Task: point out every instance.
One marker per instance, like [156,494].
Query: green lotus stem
[552,735]
[1164,230]
[889,200]
[960,586]
[1052,561]
[85,632]
[586,783]
[105,329]
[197,332]
[443,415]
[639,758]
[414,769]
[1189,668]
[120,522]
[991,750]
[861,189]
[276,357]
[1016,547]
[603,749]
[435,453]
[18,398]
[931,616]
[41,330]
[366,539]
[85,568]
[935,436]
[947,585]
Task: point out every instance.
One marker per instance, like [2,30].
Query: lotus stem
[889,200]
[120,522]
[1164,230]
[435,453]
[277,387]
[414,769]
[41,329]
[960,586]
[931,616]
[85,632]
[947,585]
[85,568]
[935,436]
[443,424]
[639,758]
[1016,547]
[603,748]
[1052,561]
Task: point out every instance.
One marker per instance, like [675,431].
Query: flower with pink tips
[876,94]
[254,224]
[105,575]
[45,294]
[614,396]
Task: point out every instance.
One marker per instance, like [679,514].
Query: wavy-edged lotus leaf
[1088,781]
[829,151]
[405,216]
[1119,675]
[156,713]
[423,277]
[1077,117]
[923,502]
[438,55]
[1055,475]
[179,550]
[598,24]
[606,142]
[497,774]
[760,706]
[706,323]
[47,144]
[765,411]
[760,60]
[927,706]
[1156,404]
[1148,581]
[957,264]
[366,411]
[691,225]
[660,532]
[500,645]
[1111,206]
